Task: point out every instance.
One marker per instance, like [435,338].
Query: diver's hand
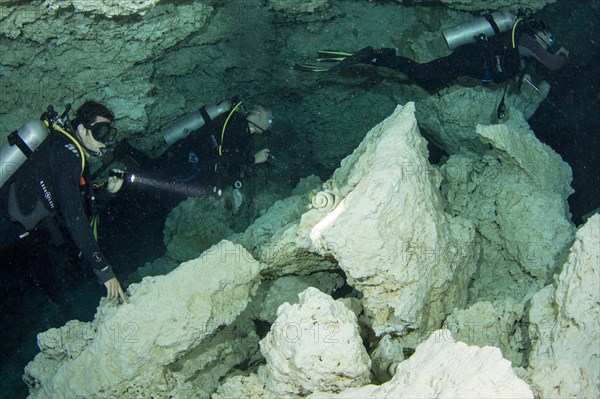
[563,51]
[262,155]
[114,290]
[115,183]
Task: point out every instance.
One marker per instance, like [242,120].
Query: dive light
[119,174]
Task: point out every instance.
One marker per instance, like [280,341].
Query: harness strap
[490,19]
[15,139]
[79,147]
[204,114]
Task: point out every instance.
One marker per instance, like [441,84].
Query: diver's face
[259,122]
[86,136]
[546,38]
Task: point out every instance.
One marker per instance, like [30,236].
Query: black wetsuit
[46,185]
[488,59]
[493,59]
[214,168]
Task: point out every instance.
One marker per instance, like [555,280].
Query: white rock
[390,234]
[314,346]
[450,118]
[166,317]
[491,324]
[444,368]
[565,359]
[516,194]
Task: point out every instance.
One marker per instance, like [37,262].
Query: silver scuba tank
[19,146]
[469,31]
[184,126]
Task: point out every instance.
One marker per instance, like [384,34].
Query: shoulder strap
[66,134]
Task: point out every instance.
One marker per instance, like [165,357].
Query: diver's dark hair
[89,111]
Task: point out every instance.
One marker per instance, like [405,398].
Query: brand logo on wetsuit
[73,149]
[47,194]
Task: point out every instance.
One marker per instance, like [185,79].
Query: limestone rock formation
[484,5]
[565,356]
[390,234]
[314,346]
[287,289]
[70,56]
[127,350]
[407,237]
[492,324]
[110,8]
[443,367]
[516,194]
[294,7]
[450,119]
[195,225]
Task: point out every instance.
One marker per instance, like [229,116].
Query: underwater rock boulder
[491,324]
[128,349]
[389,233]
[273,238]
[287,288]
[110,8]
[450,118]
[564,330]
[195,225]
[314,345]
[486,5]
[444,368]
[516,195]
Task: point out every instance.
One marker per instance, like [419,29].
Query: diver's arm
[66,182]
[528,45]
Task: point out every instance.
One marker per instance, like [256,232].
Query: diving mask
[104,132]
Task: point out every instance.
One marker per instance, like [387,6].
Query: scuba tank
[488,25]
[194,121]
[21,143]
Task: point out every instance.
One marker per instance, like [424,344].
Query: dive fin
[310,68]
[332,55]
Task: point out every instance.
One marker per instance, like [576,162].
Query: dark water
[569,119]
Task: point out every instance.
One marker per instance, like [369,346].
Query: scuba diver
[46,176]
[210,149]
[493,48]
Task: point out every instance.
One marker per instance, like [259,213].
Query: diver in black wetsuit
[220,152]
[211,148]
[496,58]
[50,183]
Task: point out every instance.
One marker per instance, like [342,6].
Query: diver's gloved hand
[236,199]
[262,155]
[115,181]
